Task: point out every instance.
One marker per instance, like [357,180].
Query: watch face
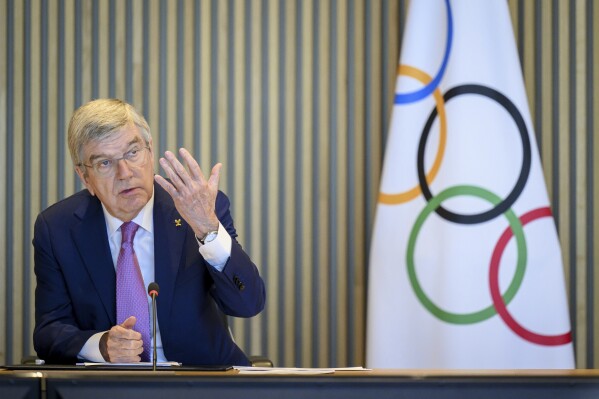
[210,236]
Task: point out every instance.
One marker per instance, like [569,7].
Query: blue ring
[406,98]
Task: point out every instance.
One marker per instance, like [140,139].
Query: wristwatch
[210,236]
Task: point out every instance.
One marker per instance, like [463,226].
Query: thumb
[129,323]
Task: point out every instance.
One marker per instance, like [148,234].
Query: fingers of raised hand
[174,170]
[194,169]
[215,176]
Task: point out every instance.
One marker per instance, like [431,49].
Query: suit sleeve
[56,337]
[238,290]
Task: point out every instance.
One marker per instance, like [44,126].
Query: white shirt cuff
[91,349]
[218,251]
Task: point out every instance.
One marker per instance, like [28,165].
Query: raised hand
[194,196]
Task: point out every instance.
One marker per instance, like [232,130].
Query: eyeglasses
[107,167]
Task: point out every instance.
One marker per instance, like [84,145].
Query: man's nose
[123,170]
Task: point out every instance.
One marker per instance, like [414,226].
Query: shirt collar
[145,218]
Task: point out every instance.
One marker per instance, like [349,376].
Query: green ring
[518,230]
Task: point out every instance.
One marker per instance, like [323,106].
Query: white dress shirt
[216,253]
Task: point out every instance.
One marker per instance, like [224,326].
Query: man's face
[125,192]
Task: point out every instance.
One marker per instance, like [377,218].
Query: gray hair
[99,119]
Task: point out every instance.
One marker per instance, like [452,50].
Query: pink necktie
[131,299]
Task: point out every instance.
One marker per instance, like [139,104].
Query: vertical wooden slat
[331,165]
[325,228]
[563,142]
[314,186]
[590,236]
[289,154]
[536,114]
[529,48]
[237,131]
[86,50]
[578,274]
[163,93]
[304,181]
[3,179]
[205,86]
[218,87]
[375,124]
[104,39]
[257,232]
[42,132]
[137,9]
[120,49]
[15,186]
[67,97]
[270,39]
[129,50]
[360,193]
[340,333]
[201,133]
[152,107]
[547,93]
[295,170]
[169,76]
[188,83]
[284,277]
[243,183]
[31,156]
[594,132]
[579,132]
[50,79]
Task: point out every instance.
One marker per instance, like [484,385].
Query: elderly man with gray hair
[97,251]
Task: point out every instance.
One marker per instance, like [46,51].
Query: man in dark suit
[183,238]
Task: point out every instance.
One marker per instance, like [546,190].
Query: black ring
[526,155]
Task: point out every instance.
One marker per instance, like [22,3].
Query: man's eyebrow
[93,157]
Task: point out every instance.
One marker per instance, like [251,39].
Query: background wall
[294,98]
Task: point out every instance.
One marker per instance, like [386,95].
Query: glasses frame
[115,162]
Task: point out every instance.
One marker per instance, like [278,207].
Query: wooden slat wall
[294,97]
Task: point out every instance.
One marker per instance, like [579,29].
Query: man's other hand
[122,344]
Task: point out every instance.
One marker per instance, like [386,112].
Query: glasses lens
[137,157]
[107,167]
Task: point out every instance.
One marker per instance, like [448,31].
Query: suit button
[238,283]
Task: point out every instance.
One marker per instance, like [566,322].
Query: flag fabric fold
[465,267]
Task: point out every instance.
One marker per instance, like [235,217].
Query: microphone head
[153,289]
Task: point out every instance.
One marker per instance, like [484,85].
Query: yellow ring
[393,199]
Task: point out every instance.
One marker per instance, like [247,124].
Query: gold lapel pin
[177,222]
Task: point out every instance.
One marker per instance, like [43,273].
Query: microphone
[153,292]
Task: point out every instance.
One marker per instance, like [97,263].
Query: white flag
[465,267]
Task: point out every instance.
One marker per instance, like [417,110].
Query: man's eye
[132,153]
[105,163]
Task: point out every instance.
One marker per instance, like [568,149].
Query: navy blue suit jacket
[75,295]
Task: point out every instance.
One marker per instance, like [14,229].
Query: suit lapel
[169,239]
[92,243]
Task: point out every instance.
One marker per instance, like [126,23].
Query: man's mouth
[128,191]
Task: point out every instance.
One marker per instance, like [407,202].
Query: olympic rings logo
[500,206]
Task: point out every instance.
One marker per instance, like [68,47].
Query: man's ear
[83,178]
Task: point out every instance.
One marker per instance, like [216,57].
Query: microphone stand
[153,292]
[154,331]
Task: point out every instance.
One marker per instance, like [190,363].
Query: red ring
[548,340]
